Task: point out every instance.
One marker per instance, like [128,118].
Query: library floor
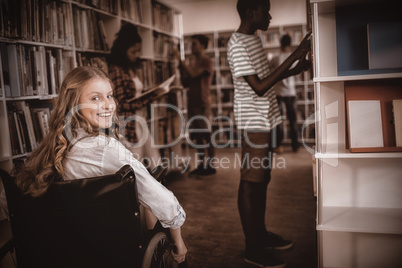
[213,232]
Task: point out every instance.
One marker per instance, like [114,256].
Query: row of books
[109,6]
[132,10]
[146,73]
[227,96]
[43,21]
[90,60]
[226,79]
[302,95]
[162,71]
[271,38]
[27,125]
[33,70]
[223,60]
[223,41]
[162,17]
[89,30]
[164,46]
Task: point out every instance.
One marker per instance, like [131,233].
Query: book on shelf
[15,139]
[6,70]
[14,69]
[89,30]
[397,112]
[39,78]
[103,35]
[21,129]
[155,92]
[41,118]
[365,124]
[51,68]
[131,10]
[26,71]
[23,109]
[18,132]
[28,124]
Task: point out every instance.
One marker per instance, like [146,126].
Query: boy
[256,114]
[198,77]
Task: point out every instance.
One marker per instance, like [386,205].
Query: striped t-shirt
[246,57]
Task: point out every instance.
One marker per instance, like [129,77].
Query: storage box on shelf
[41,41]
[359,196]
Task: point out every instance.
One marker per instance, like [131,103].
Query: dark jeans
[290,104]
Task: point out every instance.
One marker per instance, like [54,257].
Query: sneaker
[196,171]
[203,171]
[207,171]
[295,147]
[263,258]
[279,149]
[274,241]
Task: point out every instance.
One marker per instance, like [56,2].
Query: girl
[123,62]
[84,142]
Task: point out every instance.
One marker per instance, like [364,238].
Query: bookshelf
[359,205]
[41,41]
[222,89]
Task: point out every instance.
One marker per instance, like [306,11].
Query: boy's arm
[261,86]
[194,70]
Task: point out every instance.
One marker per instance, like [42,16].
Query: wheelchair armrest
[8,247]
[159,173]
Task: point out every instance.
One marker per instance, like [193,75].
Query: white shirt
[101,155]
[286,87]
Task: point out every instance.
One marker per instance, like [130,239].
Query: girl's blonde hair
[46,162]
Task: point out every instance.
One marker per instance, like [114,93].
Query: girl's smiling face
[97,103]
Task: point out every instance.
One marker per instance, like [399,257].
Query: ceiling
[174,2]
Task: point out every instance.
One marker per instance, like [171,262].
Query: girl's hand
[179,254]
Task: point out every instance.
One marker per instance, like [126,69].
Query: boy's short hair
[286,40]
[202,39]
[243,5]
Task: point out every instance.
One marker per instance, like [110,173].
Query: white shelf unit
[359,195]
[159,25]
[223,91]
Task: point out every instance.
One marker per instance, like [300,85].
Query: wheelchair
[91,222]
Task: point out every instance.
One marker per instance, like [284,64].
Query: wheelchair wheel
[158,253]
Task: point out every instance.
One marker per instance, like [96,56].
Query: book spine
[15,74]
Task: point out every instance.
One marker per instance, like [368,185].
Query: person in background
[256,114]
[122,64]
[286,95]
[197,76]
[84,142]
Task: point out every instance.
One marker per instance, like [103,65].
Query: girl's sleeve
[151,193]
